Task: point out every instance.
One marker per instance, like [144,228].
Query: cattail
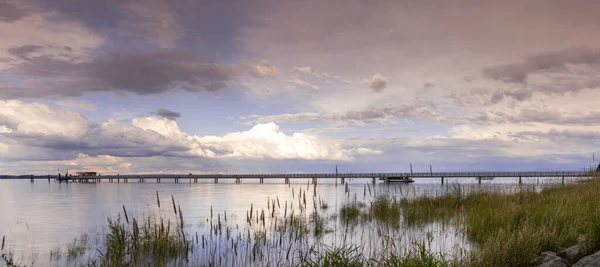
[174,207]
[3,239]
[285,210]
[304,198]
[365,191]
[225,216]
[211,213]
[157,199]
[196,238]
[369,190]
[251,206]
[136,231]
[219,220]
[181,218]
[125,211]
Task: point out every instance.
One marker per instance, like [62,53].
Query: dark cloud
[520,94]
[117,140]
[378,82]
[519,72]
[10,12]
[168,114]
[23,52]
[140,73]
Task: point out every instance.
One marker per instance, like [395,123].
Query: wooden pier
[314,177]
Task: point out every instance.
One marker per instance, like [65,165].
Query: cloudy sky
[229,86]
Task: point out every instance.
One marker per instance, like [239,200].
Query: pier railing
[327,175]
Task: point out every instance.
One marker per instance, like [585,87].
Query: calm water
[38,217]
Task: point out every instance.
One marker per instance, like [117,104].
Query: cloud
[44,35]
[267,141]
[168,114]
[303,83]
[75,104]
[155,19]
[375,114]
[365,151]
[140,73]
[263,69]
[24,51]
[37,131]
[590,137]
[302,70]
[536,115]
[557,60]
[10,12]
[378,82]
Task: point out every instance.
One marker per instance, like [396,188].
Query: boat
[397,179]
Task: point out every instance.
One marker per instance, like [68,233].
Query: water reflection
[39,217]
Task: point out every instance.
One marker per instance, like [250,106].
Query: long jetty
[387,177]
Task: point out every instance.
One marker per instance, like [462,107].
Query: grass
[421,256]
[387,210]
[350,212]
[75,249]
[513,229]
[347,255]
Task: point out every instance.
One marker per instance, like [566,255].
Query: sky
[287,86]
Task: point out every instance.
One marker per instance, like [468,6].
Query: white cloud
[303,70]
[267,141]
[35,118]
[365,151]
[263,69]
[303,83]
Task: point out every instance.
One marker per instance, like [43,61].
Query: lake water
[41,216]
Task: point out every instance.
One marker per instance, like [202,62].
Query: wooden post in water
[431,173]
[442,180]
[216,180]
[479,178]
[373,180]
[520,181]
[563,180]
[342,181]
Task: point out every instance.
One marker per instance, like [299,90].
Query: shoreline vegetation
[502,229]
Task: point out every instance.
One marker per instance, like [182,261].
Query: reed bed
[513,229]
